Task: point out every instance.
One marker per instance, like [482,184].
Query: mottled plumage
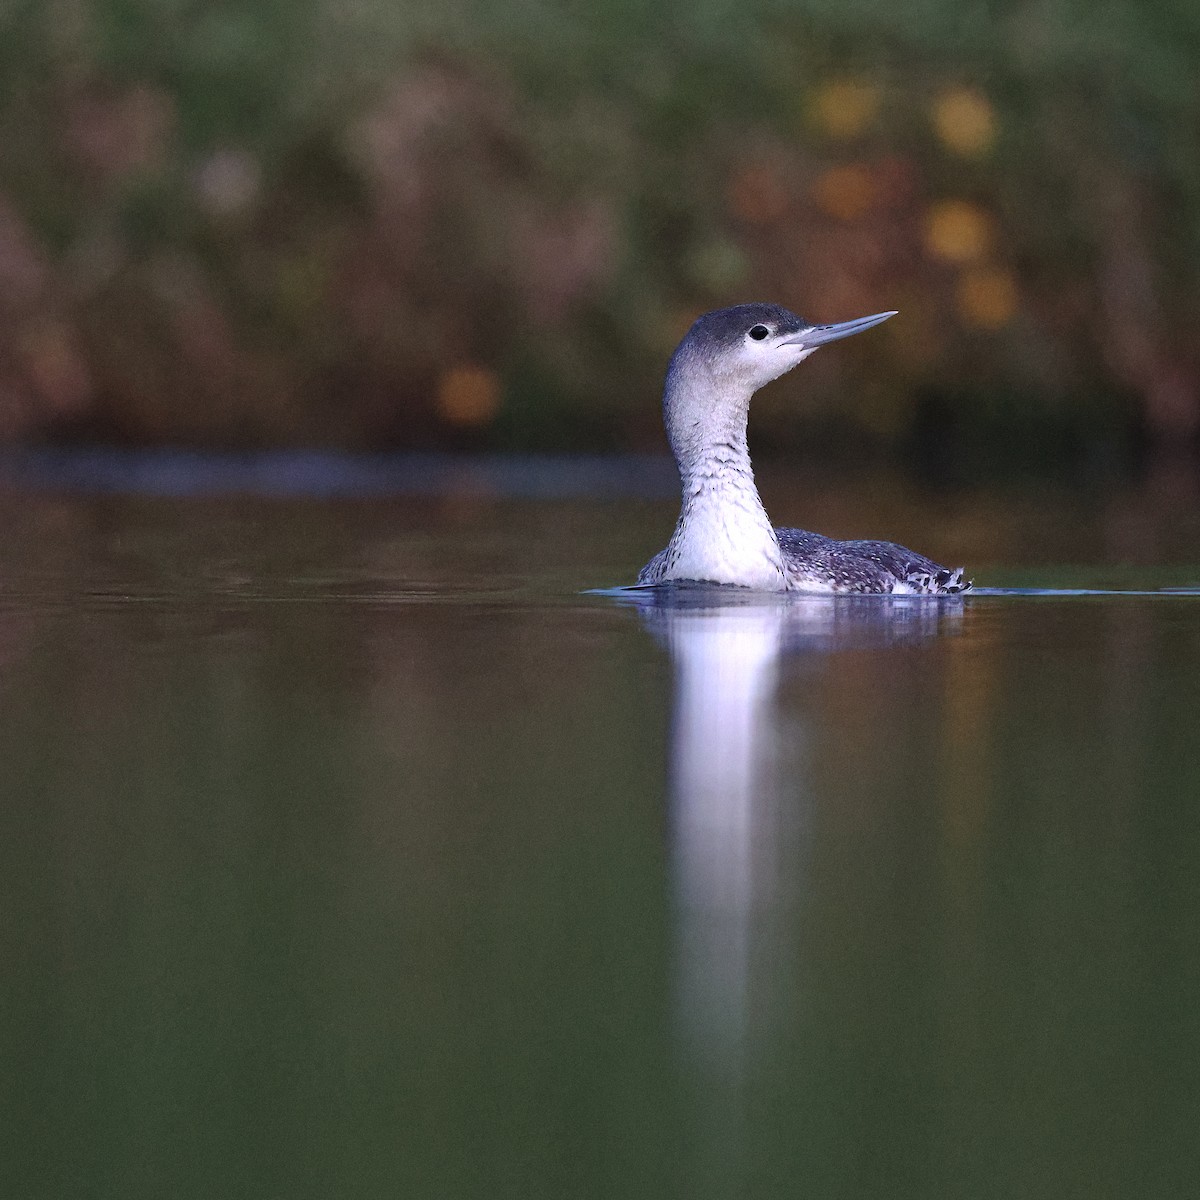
[811,559]
[723,534]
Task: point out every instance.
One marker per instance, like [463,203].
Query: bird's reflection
[738,792]
[740,802]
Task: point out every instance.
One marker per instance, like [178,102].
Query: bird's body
[814,563]
[723,534]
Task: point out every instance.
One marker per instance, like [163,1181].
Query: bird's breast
[724,536]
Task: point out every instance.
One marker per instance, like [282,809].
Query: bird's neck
[723,534]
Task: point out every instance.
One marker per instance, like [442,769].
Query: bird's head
[747,346]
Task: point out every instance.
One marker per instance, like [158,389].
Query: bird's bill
[818,335]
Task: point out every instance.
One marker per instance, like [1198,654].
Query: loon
[723,534]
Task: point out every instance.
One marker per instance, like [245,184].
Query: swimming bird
[723,534]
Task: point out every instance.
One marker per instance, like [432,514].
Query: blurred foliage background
[374,224]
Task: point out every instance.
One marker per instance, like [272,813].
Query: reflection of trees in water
[287,812]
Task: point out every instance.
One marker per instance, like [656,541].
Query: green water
[349,849]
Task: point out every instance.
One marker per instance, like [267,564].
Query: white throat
[723,534]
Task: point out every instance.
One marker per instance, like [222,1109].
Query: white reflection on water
[739,795]
[741,799]
[724,808]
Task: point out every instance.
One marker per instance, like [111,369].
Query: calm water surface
[350,848]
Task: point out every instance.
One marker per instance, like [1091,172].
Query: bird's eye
[759,332]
